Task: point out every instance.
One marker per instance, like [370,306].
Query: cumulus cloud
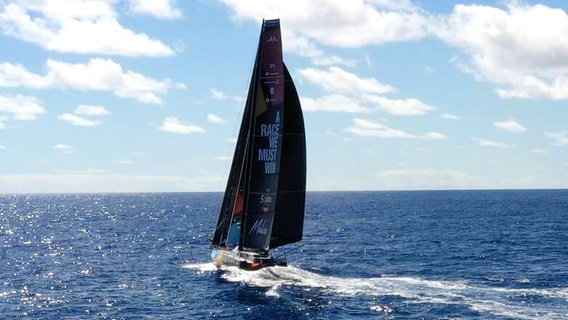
[90,110]
[78,121]
[163,9]
[218,94]
[339,23]
[78,116]
[560,138]
[173,125]
[491,143]
[215,119]
[335,79]
[449,116]
[509,125]
[334,103]
[72,26]
[523,49]
[63,148]
[16,75]
[97,74]
[348,24]
[400,107]
[20,108]
[347,92]
[366,128]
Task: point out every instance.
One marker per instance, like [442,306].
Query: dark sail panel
[266,147]
[288,222]
[236,182]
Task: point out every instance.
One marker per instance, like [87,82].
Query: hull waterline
[244,260]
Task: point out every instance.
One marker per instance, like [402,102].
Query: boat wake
[200,267]
[507,302]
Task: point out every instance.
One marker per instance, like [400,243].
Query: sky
[146,96]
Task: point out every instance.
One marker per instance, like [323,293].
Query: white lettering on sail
[259,227]
[269,129]
[273,141]
[269,167]
[269,156]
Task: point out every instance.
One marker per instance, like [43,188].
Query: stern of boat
[244,260]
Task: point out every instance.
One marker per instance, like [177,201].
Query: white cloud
[449,116]
[78,121]
[400,107]
[351,93]
[510,125]
[491,143]
[215,119]
[339,23]
[63,148]
[432,136]
[90,110]
[20,107]
[422,179]
[217,94]
[163,9]
[539,151]
[85,110]
[73,26]
[173,125]
[366,128]
[350,24]
[365,104]
[16,75]
[334,103]
[338,80]
[97,74]
[2,147]
[560,138]
[523,49]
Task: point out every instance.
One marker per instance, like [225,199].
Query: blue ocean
[365,255]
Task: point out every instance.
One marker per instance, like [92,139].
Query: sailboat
[263,204]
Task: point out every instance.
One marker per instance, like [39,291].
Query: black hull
[244,260]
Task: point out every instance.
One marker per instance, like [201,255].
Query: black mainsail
[263,205]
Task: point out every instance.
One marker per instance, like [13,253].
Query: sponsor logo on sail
[259,227]
[272,39]
[265,202]
[266,199]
